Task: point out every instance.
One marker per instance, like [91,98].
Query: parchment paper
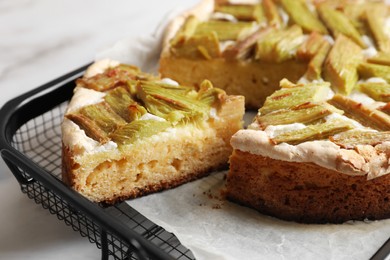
[217,229]
[213,228]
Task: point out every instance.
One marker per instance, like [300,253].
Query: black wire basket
[30,143]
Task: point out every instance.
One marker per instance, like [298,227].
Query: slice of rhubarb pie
[127,133]
[313,156]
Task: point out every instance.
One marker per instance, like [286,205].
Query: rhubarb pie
[127,133]
[318,149]
[247,47]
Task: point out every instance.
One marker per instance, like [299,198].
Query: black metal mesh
[40,140]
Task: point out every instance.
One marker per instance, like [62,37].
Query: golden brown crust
[67,165]
[305,192]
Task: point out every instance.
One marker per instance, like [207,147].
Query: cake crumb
[216,206]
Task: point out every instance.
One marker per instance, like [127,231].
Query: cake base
[305,192]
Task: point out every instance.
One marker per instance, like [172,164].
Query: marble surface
[39,41]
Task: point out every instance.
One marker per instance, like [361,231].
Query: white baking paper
[213,228]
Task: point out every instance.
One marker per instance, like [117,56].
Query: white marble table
[39,41]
